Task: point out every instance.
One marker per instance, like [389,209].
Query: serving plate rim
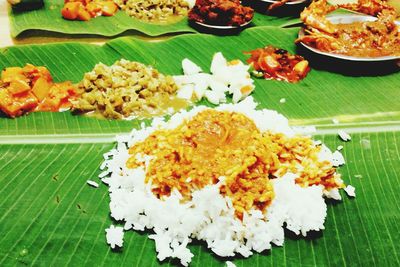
[355,18]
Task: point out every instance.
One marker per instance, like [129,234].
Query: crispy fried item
[360,39]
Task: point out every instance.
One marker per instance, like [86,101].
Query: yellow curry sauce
[216,144]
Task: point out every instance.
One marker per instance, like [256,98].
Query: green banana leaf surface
[49,19]
[319,98]
[49,216]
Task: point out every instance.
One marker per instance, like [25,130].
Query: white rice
[92,183]
[337,158]
[350,191]
[114,236]
[209,216]
[344,136]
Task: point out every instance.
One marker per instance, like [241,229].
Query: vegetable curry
[31,88]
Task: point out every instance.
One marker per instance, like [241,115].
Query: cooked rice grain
[208,215]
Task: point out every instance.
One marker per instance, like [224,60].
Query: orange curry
[31,88]
[216,144]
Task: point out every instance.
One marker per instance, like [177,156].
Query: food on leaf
[155,10]
[359,39]
[30,89]
[221,12]
[226,78]
[278,64]
[231,176]
[86,9]
[127,90]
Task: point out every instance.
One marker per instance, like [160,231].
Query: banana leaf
[49,216]
[320,97]
[49,19]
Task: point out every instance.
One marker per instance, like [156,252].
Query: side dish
[127,90]
[155,10]
[221,12]
[226,78]
[29,89]
[369,39]
[87,9]
[278,64]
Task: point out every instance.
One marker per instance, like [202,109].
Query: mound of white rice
[209,216]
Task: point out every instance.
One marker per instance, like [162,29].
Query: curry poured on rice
[216,144]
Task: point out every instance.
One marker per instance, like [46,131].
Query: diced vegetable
[18,87]
[11,73]
[269,63]
[108,8]
[301,67]
[83,14]
[94,9]
[41,88]
[30,89]
[16,106]
[70,10]
[86,9]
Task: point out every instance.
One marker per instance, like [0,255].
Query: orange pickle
[31,88]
